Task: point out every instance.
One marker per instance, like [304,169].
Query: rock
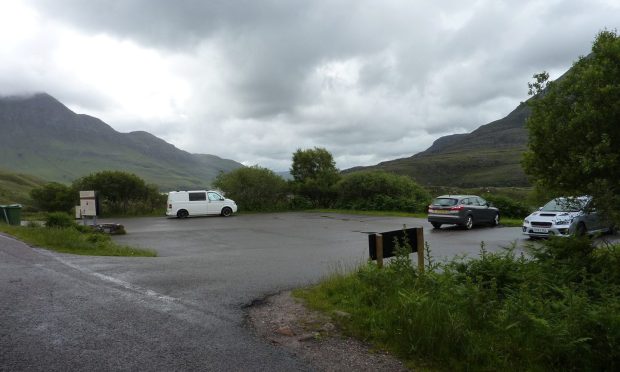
[308,336]
[285,331]
[328,327]
[342,314]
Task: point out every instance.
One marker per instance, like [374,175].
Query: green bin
[11,214]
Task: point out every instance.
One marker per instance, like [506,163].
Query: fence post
[379,244]
[420,245]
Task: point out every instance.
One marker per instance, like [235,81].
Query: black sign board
[389,249]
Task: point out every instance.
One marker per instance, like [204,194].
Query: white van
[199,203]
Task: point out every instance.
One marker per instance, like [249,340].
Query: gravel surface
[285,322]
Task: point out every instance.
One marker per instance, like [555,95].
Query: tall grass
[554,310]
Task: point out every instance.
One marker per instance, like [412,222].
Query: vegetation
[53,197]
[554,310]
[315,174]
[122,192]
[574,146]
[15,188]
[381,191]
[62,234]
[254,188]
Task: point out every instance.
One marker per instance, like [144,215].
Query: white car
[565,217]
[183,204]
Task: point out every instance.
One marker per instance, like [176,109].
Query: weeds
[556,309]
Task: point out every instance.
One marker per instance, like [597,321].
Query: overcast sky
[255,80]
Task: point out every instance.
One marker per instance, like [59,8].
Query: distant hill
[42,137]
[488,156]
[15,188]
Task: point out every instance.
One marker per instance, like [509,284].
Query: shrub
[381,191]
[54,197]
[59,220]
[254,188]
[509,207]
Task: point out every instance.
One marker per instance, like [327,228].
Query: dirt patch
[284,321]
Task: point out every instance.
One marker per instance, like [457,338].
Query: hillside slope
[488,156]
[42,137]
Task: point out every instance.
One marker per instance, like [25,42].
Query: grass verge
[71,240]
[554,310]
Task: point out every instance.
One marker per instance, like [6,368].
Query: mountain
[43,138]
[488,156]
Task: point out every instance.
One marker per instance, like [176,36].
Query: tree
[54,197]
[574,128]
[315,173]
[254,188]
[121,192]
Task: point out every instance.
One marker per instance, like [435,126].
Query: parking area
[184,309]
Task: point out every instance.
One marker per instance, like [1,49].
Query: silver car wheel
[469,223]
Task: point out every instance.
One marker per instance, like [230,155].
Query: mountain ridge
[488,156]
[44,138]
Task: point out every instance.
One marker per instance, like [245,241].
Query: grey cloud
[419,77]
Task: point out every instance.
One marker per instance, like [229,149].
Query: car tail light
[457,208]
[169,206]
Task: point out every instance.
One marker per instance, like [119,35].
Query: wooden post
[420,241]
[379,243]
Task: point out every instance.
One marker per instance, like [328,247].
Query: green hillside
[15,188]
[42,137]
[488,156]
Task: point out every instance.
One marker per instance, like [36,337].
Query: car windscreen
[445,202]
[564,205]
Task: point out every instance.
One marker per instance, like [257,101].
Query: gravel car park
[463,210]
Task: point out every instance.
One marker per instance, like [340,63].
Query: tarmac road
[184,309]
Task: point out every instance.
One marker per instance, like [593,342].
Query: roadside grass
[556,309]
[71,240]
[511,222]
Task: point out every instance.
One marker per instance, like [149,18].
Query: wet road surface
[184,309]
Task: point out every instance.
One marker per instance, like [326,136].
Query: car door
[216,202]
[486,213]
[470,208]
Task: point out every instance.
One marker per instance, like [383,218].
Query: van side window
[197,196]
[214,197]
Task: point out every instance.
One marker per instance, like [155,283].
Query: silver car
[565,217]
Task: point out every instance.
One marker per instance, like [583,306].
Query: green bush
[254,189]
[54,197]
[381,191]
[554,310]
[59,220]
[509,207]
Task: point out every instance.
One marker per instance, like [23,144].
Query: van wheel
[226,212]
[436,225]
[182,213]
